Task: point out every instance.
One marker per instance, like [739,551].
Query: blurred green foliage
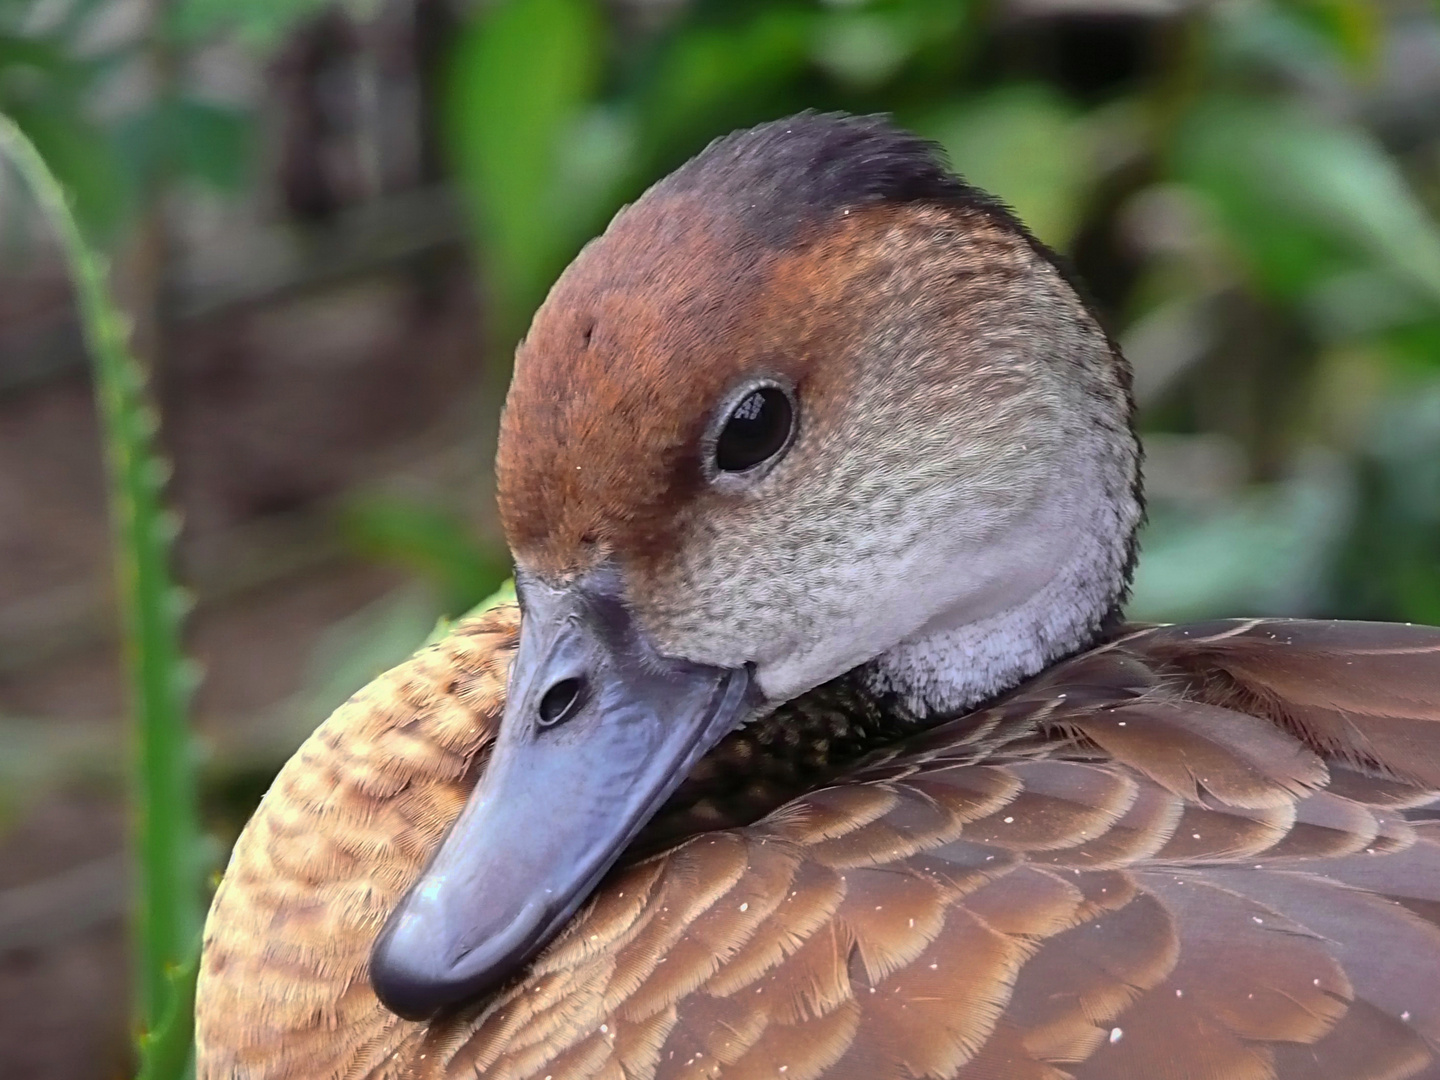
[56,72]
[167,854]
[1248,232]
[1257,221]
[42,88]
[1271,264]
[431,541]
[1252,234]
[261,24]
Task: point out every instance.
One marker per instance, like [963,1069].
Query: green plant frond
[168,889]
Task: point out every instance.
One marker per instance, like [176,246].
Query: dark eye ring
[757,429]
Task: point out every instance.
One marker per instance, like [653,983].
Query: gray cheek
[775,574]
[770,583]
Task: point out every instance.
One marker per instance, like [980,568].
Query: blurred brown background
[330,223]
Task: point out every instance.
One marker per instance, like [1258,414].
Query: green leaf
[505,594]
[185,137]
[1267,551]
[1391,566]
[863,48]
[260,23]
[1354,28]
[83,161]
[867,45]
[431,540]
[210,142]
[360,647]
[1416,347]
[713,77]
[519,81]
[1308,41]
[17,53]
[1302,197]
[1025,145]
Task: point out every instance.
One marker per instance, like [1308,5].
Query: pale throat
[957,660]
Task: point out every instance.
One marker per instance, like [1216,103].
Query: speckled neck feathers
[957,662]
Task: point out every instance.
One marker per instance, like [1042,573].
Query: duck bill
[598,731]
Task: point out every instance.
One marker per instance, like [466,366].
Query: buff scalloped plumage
[972,828]
[1206,851]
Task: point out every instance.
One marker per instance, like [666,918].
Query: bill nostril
[561,701]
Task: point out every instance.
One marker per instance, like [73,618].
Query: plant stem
[168,880]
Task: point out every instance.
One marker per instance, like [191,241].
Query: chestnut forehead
[638,342]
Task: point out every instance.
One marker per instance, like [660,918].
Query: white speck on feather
[1116,1034]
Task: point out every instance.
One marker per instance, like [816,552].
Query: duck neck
[938,675]
[957,662]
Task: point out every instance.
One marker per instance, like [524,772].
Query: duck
[817,746]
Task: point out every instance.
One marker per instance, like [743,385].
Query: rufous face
[932,357]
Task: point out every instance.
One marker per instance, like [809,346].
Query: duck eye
[756,430]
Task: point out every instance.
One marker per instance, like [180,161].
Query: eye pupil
[756,430]
[750,408]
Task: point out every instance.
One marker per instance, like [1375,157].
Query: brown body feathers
[1208,851]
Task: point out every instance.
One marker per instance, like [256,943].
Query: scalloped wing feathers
[1198,852]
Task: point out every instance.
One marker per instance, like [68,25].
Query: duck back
[1195,851]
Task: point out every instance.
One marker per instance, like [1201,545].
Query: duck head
[812,405]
